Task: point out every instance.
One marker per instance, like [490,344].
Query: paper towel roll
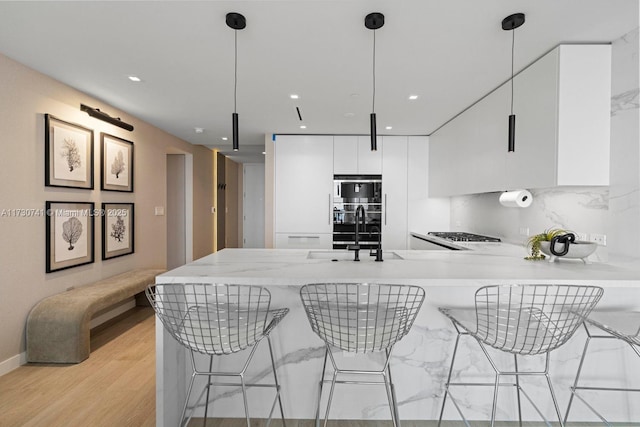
[516,199]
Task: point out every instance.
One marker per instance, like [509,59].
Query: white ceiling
[449,52]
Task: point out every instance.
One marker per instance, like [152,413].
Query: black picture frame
[68,154]
[116,159]
[118,230]
[69,234]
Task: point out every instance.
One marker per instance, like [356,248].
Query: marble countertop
[420,267]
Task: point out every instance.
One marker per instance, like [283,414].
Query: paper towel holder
[516,198]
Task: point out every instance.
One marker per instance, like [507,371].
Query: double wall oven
[349,192]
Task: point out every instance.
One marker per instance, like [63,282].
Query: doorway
[179,210]
[253,205]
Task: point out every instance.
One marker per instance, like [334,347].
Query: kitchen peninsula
[420,361]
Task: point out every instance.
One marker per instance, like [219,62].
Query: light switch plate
[159,210]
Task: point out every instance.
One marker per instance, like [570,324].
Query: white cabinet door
[352,155]
[394,193]
[345,155]
[488,144]
[535,104]
[467,155]
[303,184]
[584,115]
[445,152]
[369,162]
[424,213]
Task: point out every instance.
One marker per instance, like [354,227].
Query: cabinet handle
[303,237]
[385,209]
[330,211]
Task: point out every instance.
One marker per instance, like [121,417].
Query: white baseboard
[12,363]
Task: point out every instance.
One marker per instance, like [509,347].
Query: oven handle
[385,208]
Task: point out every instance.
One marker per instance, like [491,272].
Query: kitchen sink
[349,255]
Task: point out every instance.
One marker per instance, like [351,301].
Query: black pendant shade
[234,120]
[374,21]
[374,134]
[512,133]
[510,23]
[235,21]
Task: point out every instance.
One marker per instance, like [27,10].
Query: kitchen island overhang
[420,361]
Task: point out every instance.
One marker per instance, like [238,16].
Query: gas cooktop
[459,236]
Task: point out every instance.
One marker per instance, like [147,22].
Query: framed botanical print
[69,234]
[68,154]
[117,163]
[117,230]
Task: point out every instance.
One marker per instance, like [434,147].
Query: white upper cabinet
[304,186]
[345,155]
[369,162]
[352,155]
[562,107]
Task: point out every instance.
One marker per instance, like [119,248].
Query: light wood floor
[115,387]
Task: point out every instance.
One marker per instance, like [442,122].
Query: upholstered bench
[58,326]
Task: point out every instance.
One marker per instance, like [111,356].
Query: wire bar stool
[360,318]
[217,320]
[624,326]
[524,320]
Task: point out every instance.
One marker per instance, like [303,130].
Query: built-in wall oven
[349,192]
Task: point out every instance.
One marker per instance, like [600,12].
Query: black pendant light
[373,21]
[235,21]
[510,23]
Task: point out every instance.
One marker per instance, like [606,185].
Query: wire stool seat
[360,318]
[624,326]
[523,320]
[217,320]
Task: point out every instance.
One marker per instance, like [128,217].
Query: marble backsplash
[624,195]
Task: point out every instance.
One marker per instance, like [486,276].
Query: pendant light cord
[513,42]
[373,107]
[235,72]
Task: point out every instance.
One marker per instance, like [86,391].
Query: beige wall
[25,96]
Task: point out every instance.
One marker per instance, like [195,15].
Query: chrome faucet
[356,248]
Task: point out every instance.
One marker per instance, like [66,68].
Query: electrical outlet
[524,231]
[600,239]
[583,237]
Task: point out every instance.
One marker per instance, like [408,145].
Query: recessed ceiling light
[303,127]
[389,127]
[224,138]
[294,96]
[199,130]
[412,97]
[135,79]
[354,95]
[349,115]
[264,152]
